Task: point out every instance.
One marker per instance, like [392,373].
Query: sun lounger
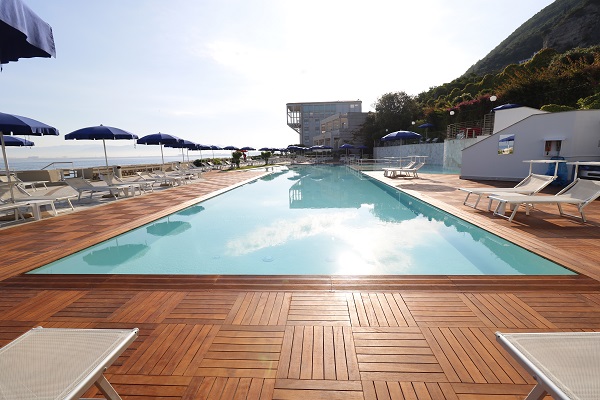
[566,365]
[34,205]
[83,186]
[53,363]
[579,193]
[532,184]
[22,185]
[404,171]
[390,172]
[112,180]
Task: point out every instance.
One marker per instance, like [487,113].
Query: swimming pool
[308,220]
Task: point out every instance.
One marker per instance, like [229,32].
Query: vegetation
[265,155]
[530,37]
[550,81]
[236,156]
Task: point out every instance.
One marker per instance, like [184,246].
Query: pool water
[308,220]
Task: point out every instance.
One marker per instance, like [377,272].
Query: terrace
[219,337]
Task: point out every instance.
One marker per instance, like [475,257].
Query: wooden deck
[304,338]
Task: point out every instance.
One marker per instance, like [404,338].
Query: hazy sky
[220,72]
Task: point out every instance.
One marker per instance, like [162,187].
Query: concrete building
[339,129]
[305,118]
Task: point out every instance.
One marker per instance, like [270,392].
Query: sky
[221,71]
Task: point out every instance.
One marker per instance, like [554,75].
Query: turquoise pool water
[311,220]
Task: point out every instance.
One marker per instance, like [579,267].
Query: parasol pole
[105,157]
[10,186]
[162,157]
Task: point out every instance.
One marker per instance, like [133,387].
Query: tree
[265,155]
[237,155]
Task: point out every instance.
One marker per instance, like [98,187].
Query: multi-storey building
[339,129]
[305,118]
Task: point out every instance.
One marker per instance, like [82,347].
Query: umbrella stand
[10,186]
[162,157]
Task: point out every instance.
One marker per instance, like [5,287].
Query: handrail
[59,162]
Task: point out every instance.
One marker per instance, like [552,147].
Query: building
[528,134]
[305,118]
[339,129]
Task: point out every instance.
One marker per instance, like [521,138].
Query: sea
[34,163]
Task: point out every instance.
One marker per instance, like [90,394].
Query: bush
[556,108]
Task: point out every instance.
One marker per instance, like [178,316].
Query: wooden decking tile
[148,307]
[243,351]
[263,308]
[395,354]
[318,352]
[318,309]
[41,306]
[566,311]
[202,308]
[440,309]
[379,309]
[392,390]
[290,389]
[92,306]
[507,311]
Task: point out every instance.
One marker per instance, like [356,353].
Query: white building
[524,133]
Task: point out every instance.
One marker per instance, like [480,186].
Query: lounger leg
[37,213]
[106,389]
[538,393]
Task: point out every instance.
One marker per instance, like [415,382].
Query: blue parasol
[506,107]
[399,135]
[22,33]
[17,141]
[11,124]
[184,144]
[160,139]
[100,132]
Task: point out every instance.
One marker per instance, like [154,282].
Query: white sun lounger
[532,184]
[579,193]
[53,363]
[34,205]
[83,186]
[409,170]
[566,365]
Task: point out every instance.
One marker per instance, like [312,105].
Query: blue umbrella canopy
[426,125]
[159,139]
[230,148]
[17,141]
[100,132]
[22,33]
[506,107]
[11,124]
[247,148]
[398,135]
[184,144]
[346,146]
[507,139]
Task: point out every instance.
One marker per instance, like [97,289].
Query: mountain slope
[563,25]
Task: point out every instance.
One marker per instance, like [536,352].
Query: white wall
[505,118]
[581,130]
